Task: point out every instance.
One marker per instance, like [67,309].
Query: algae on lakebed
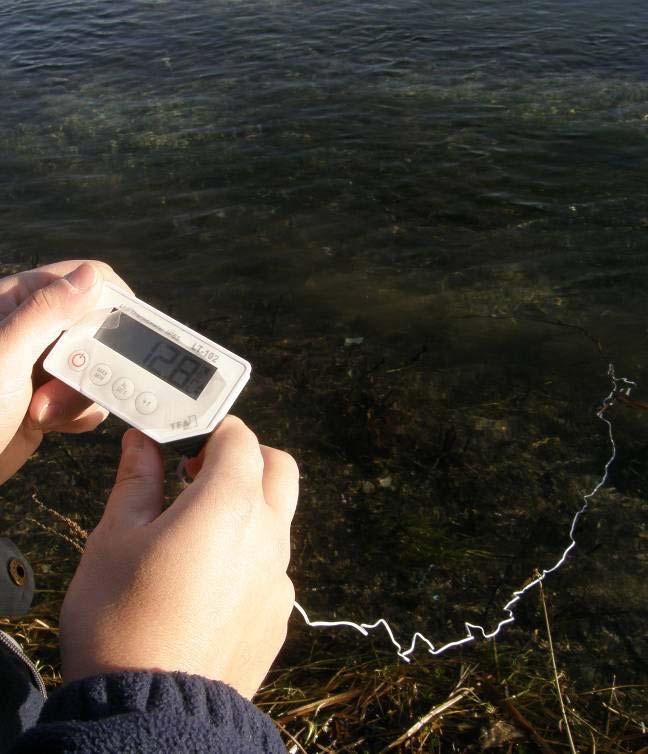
[430,491]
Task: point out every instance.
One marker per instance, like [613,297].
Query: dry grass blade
[296,745]
[622,714]
[555,671]
[72,525]
[316,706]
[332,698]
[497,699]
[434,712]
[50,530]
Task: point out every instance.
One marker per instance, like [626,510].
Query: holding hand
[200,587]
[35,307]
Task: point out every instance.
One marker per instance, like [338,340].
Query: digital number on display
[147,348]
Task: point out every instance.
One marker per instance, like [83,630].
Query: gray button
[101,374]
[146,403]
[123,388]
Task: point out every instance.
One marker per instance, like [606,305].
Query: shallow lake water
[425,225]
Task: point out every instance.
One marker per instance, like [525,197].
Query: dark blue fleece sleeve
[142,712]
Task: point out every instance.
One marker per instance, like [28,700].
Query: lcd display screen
[164,358]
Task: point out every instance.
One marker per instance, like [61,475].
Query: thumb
[41,318]
[137,496]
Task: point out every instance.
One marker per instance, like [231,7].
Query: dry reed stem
[555,671]
[434,712]
[318,705]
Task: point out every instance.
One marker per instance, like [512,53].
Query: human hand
[200,587]
[35,307]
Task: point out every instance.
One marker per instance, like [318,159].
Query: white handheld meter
[149,369]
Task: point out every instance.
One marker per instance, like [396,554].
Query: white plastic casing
[134,393]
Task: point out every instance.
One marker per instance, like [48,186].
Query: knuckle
[240,437]
[48,299]
[231,423]
[130,478]
[283,462]
[290,464]
[133,474]
[237,427]
[106,272]
[101,266]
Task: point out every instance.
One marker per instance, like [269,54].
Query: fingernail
[49,414]
[83,277]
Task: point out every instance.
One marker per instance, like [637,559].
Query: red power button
[78,360]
